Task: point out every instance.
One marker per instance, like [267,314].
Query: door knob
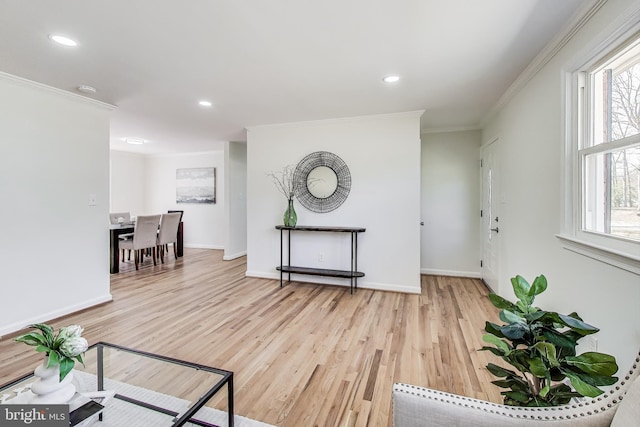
[497,230]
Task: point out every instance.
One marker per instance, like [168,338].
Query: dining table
[116,230]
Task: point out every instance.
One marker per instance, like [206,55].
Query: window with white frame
[604,151]
[609,149]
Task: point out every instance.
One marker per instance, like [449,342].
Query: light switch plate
[93,200]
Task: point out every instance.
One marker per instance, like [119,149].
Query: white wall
[450,204]
[531,133]
[236,200]
[128,177]
[55,154]
[383,156]
[204,224]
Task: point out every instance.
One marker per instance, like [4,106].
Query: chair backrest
[618,407]
[628,411]
[169,228]
[115,216]
[181,213]
[145,232]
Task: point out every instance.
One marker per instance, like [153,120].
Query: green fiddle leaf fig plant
[541,346]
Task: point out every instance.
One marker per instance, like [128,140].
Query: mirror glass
[322,182]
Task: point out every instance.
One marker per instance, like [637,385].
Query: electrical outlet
[320,257]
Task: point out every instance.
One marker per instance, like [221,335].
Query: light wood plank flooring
[302,355]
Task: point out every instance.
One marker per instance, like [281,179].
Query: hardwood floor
[302,355]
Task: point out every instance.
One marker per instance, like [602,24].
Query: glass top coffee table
[147,389]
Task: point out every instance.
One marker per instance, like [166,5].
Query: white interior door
[490,216]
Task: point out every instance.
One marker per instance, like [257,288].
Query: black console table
[352,274]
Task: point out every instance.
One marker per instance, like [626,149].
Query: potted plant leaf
[541,346]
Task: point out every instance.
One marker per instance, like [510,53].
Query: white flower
[74,346]
[72,331]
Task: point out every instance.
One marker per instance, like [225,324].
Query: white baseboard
[392,287]
[363,284]
[202,246]
[261,275]
[234,256]
[46,317]
[454,273]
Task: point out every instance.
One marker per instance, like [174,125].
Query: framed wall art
[196,185]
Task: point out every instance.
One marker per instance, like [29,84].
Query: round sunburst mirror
[323,181]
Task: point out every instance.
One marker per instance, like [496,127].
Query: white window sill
[621,260]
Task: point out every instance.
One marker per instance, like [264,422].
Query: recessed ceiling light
[205,103]
[65,41]
[86,89]
[391,79]
[135,141]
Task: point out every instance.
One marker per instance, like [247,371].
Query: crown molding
[40,86]
[579,20]
[416,113]
[427,131]
[166,155]
[186,153]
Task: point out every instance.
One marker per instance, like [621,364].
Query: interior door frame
[486,218]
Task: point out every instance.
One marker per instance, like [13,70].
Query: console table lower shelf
[351,274]
[345,274]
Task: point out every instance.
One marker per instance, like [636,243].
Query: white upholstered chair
[415,406]
[180,212]
[168,233]
[144,236]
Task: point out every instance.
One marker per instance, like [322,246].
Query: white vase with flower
[62,350]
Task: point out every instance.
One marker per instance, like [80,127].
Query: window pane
[611,183]
[616,98]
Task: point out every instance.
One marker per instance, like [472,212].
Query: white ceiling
[276,61]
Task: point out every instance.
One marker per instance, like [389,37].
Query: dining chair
[168,233]
[145,235]
[181,213]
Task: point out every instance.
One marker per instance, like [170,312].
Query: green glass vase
[290,218]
